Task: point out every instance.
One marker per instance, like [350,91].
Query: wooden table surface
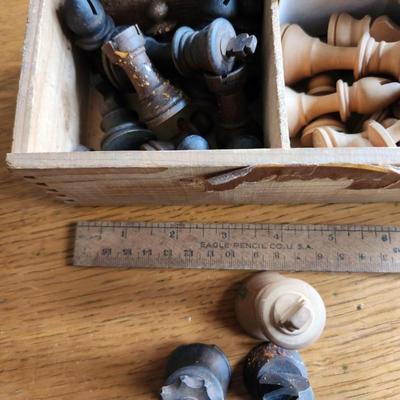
[70,333]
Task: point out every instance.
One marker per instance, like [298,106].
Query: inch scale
[278,247]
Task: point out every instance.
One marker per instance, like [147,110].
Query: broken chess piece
[158,101]
[313,56]
[384,29]
[365,96]
[386,134]
[325,121]
[193,142]
[274,373]
[214,49]
[122,130]
[344,30]
[245,142]
[157,145]
[286,311]
[321,84]
[233,114]
[197,371]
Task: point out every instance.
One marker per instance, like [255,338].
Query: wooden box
[54,115]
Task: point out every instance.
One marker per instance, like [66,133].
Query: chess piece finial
[193,142]
[274,373]
[157,100]
[197,371]
[365,96]
[344,30]
[213,50]
[288,312]
[312,56]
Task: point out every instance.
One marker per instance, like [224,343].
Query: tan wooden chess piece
[344,30]
[312,56]
[321,84]
[365,96]
[386,134]
[288,312]
[323,122]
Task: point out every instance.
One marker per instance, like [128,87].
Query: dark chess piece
[193,142]
[197,371]
[92,28]
[158,101]
[121,128]
[214,49]
[274,373]
[233,117]
[244,142]
[157,145]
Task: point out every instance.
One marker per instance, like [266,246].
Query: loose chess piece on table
[288,312]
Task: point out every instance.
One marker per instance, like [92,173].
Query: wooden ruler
[339,248]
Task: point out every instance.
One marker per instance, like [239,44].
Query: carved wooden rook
[366,96]
[214,49]
[157,100]
[312,56]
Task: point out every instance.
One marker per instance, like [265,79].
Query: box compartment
[56,109]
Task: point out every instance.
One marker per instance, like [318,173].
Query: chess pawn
[375,135]
[384,29]
[157,145]
[196,371]
[288,312]
[321,84]
[213,50]
[365,96]
[326,122]
[344,30]
[193,142]
[157,100]
[313,56]
[233,116]
[387,133]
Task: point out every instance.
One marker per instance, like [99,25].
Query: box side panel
[294,180]
[52,94]
[276,131]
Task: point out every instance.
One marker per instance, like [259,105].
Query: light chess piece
[312,56]
[386,134]
[321,84]
[326,122]
[344,30]
[365,96]
[158,101]
[212,50]
[288,312]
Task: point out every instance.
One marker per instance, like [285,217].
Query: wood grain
[97,334]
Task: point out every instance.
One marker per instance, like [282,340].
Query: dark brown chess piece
[158,101]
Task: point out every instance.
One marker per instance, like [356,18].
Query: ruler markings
[346,248]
